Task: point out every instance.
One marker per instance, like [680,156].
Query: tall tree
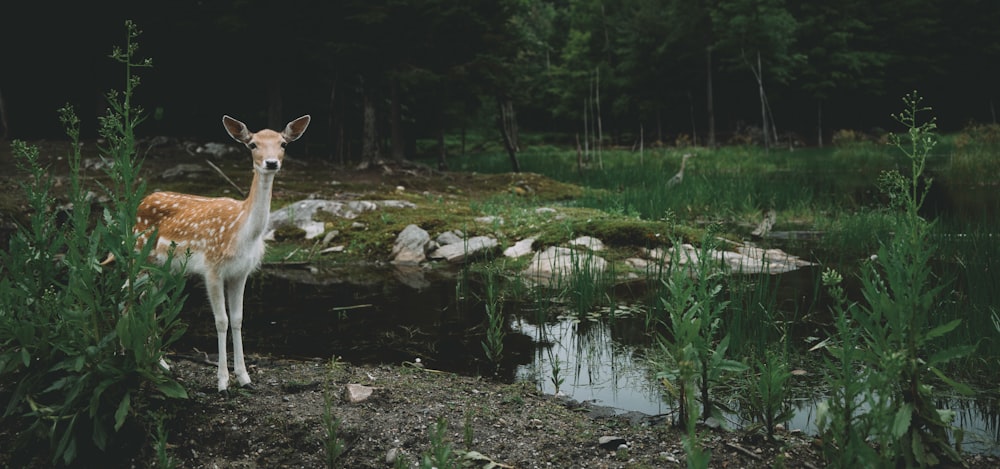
[837,58]
[755,33]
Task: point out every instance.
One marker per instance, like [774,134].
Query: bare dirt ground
[279,422]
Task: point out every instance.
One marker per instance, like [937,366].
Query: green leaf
[122,412]
[173,389]
[25,357]
[943,329]
[962,388]
[902,421]
[950,354]
[731,365]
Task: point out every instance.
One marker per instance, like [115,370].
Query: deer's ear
[237,130]
[296,128]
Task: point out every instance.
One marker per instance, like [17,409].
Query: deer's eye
[284,144]
[252,146]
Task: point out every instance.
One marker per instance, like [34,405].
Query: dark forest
[695,70]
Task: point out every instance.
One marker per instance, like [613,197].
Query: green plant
[493,344]
[467,432]
[163,459]
[896,323]
[440,455]
[81,346]
[333,445]
[840,418]
[695,355]
[556,377]
[767,393]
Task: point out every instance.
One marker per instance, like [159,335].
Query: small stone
[355,393]
[392,455]
[610,442]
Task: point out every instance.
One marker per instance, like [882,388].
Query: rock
[637,263]
[411,275]
[519,248]
[355,393]
[588,242]
[610,442]
[541,210]
[410,245]
[215,149]
[489,220]
[449,237]
[392,455]
[303,212]
[459,252]
[556,262]
[329,237]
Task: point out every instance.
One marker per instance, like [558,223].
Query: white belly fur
[244,261]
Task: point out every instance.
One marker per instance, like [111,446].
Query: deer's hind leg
[217,298]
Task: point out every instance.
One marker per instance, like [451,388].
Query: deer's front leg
[217,298]
[234,292]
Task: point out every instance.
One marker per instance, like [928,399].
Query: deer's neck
[257,206]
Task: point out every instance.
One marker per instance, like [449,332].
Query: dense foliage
[670,70]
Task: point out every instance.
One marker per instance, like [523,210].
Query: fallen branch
[743,450]
[230,181]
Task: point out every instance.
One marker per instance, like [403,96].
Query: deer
[222,237]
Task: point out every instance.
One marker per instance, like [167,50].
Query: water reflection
[592,367]
[372,316]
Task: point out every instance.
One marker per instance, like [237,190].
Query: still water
[381,315]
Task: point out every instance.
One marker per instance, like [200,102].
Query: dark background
[436,67]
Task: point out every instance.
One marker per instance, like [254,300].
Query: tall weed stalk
[80,345]
[694,352]
[901,299]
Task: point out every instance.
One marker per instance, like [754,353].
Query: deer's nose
[271,164]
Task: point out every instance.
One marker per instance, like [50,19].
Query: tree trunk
[597,100]
[502,124]
[586,130]
[369,143]
[510,121]
[442,154]
[335,124]
[710,99]
[4,128]
[763,104]
[694,124]
[395,122]
[819,123]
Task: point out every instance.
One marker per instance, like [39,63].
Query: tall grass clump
[973,156]
[495,332]
[81,345]
[970,260]
[897,327]
[693,350]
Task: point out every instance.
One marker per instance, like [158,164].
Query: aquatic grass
[735,183]
[970,258]
[851,237]
[751,316]
[767,390]
[495,329]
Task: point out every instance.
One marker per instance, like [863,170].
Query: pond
[380,314]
